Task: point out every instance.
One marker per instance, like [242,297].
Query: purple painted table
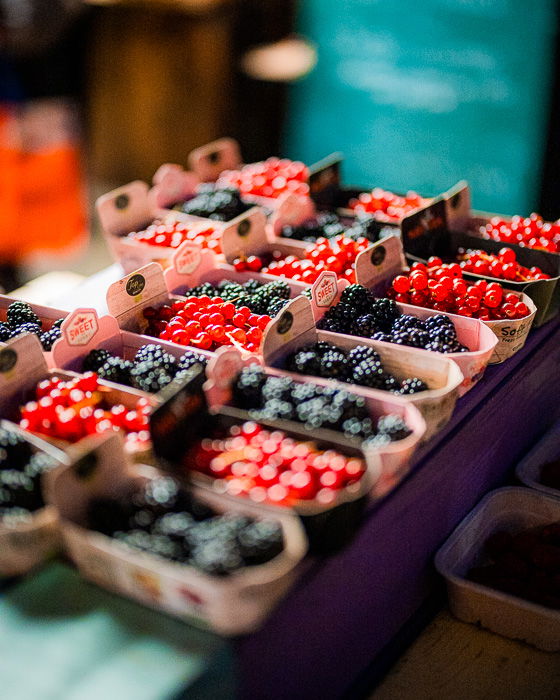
[349,607]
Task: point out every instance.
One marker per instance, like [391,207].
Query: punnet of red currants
[171,234]
[386,205]
[530,232]
[440,286]
[270,178]
[502,265]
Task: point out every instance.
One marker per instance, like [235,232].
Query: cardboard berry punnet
[26,545]
[512,510]
[377,267]
[236,604]
[393,459]
[295,327]
[471,332]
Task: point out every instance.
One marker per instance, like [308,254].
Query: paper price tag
[325,289]
[80,327]
[187,259]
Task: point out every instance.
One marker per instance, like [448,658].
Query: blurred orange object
[42,205]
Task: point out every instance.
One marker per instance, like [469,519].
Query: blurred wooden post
[160,83]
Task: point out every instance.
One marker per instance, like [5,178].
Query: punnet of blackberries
[329,225]
[271,398]
[361,365]
[21,469]
[20,318]
[359,313]
[165,520]
[262,298]
[151,369]
[210,202]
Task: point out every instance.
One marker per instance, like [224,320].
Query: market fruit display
[151,369]
[386,205]
[440,286]
[20,318]
[503,266]
[271,178]
[164,520]
[526,564]
[21,469]
[171,234]
[531,231]
[268,466]
[71,409]
[207,323]
[261,297]
[271,398]
[361,365]
[211,202]
[359,313]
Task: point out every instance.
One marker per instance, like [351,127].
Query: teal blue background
[418,94]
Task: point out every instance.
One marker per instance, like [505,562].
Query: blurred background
[415,95]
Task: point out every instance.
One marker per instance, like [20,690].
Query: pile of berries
[261,297]
[165,520]
[207,323]
[267,466]
[531,232]
[385,205]
[328,225]
[271,398]
[269,178]
[442,287]
[526,565]
[70,410]
[171,233]
[504,266]
[20,318]
[21,469]
[336,254]
[150,370]
[213,203]
[359,313]
[360,365]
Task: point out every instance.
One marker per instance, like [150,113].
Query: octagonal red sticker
[187,258]
[80,327]
[325,289]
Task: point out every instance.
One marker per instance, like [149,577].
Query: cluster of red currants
[271,467]
[503,266]
[386,205]
[268,178]
[171,234]
[252,263]
[442,287]
[336,254]
[531,232]
[71,410]
[207,323]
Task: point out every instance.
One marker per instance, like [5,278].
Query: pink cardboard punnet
[236,604]
[295,327]
[377,266]
[388,463]
[470,331]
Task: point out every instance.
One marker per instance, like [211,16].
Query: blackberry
[343,314]
[161,494]
[20,312]
[407,322]
[151,352]
[412,385]
[95,359]
[369,374]
[413,337]
[48,338]
[364,326]
[304,362]
[361,353]
[274,409]
[333,325]
[277,388]
[5,333]
[356,296]
[20,490]
[175,525]
[217,558]
[276,306]
[220,204]
[334,365]
[191,358]
[13,517]
[438,321]
[39,464]
[385,311]
[393,426]
[34,328]
[376,441]
[58,323]
[247,388]
[149,377]
[260,541]
[229,290]
[204,289]
[115,369]
[382,336]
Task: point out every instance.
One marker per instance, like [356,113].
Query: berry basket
[23,312]
[294,327]
[27,541]
[378,266]
[22,368]
[545,452]
[471,332]
[88,341]
[511,510]
[230,605]
[180,428]
[394,457]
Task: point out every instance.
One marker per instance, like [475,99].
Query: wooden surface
[452,659]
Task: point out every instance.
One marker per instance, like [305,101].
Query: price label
[325,289]
[187,259]
[81,327]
